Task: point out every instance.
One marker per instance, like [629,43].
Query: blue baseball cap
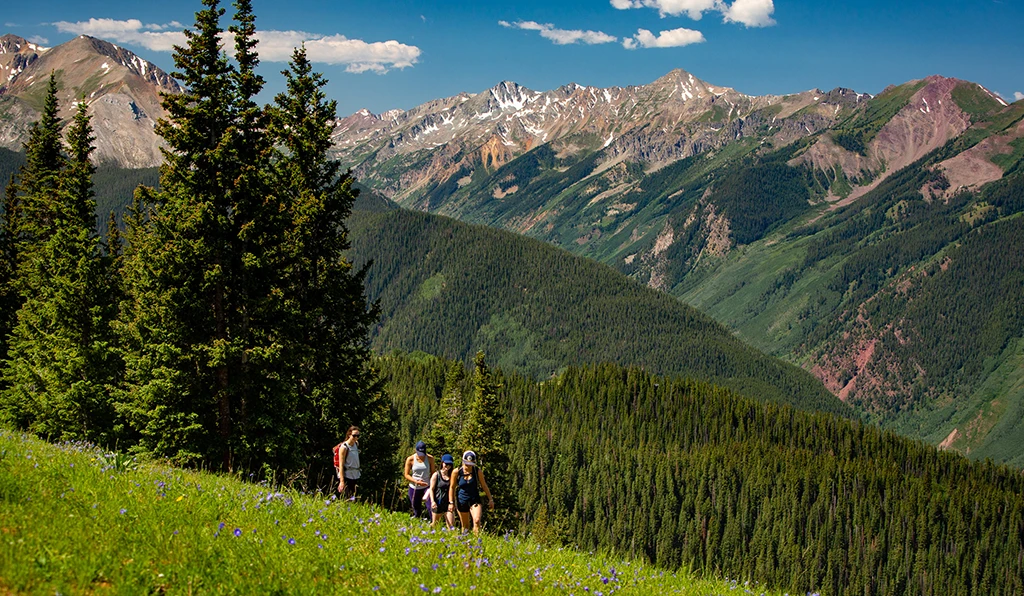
[447,459]
[469,458]
[421,448]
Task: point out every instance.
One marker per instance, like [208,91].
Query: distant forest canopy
[452,288]
[114,186]
[687,474]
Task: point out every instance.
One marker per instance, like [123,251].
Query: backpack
[337,455]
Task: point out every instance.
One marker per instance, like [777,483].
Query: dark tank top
[469,490]
[441,488]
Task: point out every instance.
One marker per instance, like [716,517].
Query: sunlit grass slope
[73,521]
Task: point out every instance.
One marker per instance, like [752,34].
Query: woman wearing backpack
[346,463]
[464,493]
[419,467]
[440,484]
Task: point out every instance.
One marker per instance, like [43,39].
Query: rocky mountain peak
[121,90]
[16,53]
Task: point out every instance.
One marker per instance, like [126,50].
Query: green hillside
[933,287]
[78,520]
[451,288]
[686,474]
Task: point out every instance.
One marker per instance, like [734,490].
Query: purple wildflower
[123,511]
[238,532]
[291,541]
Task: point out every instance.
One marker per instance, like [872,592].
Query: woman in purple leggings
[419,467]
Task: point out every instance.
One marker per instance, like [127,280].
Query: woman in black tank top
[467,484]
[440,486]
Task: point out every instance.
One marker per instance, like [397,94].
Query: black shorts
[464,507]
[441,506]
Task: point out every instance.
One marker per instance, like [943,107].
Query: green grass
[75,521]
[432,286]
[970,98]
[1012,160]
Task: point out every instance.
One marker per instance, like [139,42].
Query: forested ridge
[451,288]
[687,474]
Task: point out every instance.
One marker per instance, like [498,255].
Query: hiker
[419,467]
[464,492]
[440,483]
[346,463]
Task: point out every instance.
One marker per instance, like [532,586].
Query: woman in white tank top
[419,467]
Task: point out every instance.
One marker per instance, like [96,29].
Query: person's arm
[452,485]
[432,488]
[487,491]
[342,456]
[408,470]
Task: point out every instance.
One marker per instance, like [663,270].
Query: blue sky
[400,53]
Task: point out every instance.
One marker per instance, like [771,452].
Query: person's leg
[464,519]
[412,501]
[477,511]
[449,518]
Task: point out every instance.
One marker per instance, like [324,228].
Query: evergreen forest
[453,289]
[687,474]
[217,297]
[224,312]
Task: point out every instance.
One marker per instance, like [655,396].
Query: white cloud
[675,38]
[358,55]
[1017,96]
[274,46]
[39,40]
[562,36]
[132,31]
[752,13]
[693,8]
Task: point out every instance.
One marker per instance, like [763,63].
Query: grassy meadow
[76,520]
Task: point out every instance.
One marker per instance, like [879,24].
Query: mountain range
[853,235]
[121,89]
[871,240]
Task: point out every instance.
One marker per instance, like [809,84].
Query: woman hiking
[346,463]
[440,483]
[419,467]
[464,493]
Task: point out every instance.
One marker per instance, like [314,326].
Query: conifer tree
[328,317]
[485,432]
[10,299]
[443,435]
[59,358]
[180,348]
[39,178]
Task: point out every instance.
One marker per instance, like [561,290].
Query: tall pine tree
[329,316]
[484,431]
[444,430]
[245,329]
[176,320]
[60,359]
[10,298]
